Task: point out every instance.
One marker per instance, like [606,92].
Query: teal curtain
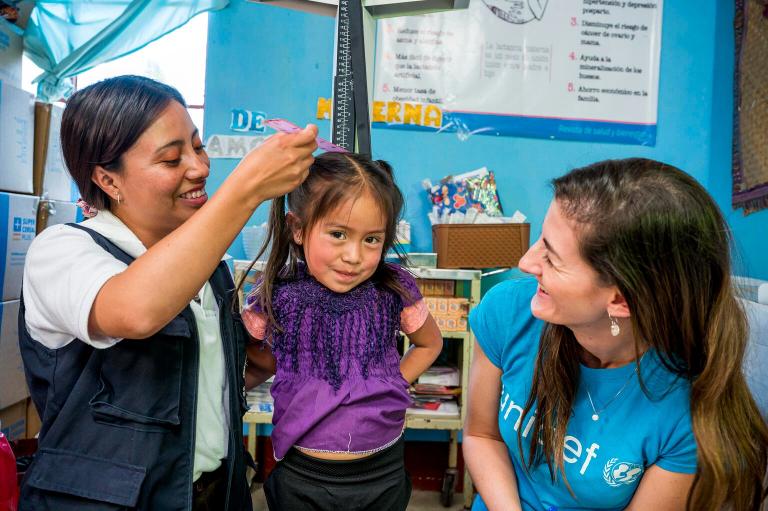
[67,37]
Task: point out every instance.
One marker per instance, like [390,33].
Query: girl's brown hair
[654,232]
[333,178]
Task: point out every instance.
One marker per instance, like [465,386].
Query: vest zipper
[195,376]
[227,347]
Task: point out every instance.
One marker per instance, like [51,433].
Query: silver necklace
[595,412]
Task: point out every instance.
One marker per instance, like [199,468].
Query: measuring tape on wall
[350,119]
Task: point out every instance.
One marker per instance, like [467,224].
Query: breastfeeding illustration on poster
[573,69]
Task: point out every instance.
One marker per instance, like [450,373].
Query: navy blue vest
[118,424]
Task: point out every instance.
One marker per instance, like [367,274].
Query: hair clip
[88,210]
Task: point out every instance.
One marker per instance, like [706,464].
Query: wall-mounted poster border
[575,70]
[750,123]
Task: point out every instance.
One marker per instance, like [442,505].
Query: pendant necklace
[595,412]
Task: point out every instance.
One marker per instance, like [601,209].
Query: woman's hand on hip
[277,166]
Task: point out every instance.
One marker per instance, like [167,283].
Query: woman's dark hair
[102,121]
[333,178]
[655,233]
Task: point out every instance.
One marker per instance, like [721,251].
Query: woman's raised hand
[278,165]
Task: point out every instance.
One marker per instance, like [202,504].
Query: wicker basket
[480,245]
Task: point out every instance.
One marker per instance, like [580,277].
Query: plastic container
[479,246]
[403,235]
[253,238]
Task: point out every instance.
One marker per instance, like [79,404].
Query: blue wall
[262,57]
[750,232]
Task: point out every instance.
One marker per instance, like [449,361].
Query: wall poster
[573,69]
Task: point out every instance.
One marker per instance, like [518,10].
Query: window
[177,59]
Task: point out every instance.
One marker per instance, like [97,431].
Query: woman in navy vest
[133,356]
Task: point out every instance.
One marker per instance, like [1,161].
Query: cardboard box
[13,420]
[13,386]
[33,420]
[20,420]
[434,287]
[451,323]
[11,50]
[17,122]
[453,307]
[450,313]
[18,220]
[51,178]
[51,212]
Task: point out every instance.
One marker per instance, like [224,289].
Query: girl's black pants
[375,483]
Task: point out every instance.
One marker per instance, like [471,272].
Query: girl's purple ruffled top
[337,386]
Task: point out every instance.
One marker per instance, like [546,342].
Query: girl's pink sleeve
[413,316]
[255,323]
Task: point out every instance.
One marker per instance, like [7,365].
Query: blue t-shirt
[604,459]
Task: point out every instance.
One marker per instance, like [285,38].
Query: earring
[119,200]
[615,330]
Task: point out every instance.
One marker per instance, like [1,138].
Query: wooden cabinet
[466,285]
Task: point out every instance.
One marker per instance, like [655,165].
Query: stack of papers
[436,392]
[441,375]
[445,408]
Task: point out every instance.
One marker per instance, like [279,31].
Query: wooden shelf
[257,417]
[424,421]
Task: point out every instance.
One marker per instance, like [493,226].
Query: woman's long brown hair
[655,233]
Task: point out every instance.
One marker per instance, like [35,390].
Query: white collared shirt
[64,272]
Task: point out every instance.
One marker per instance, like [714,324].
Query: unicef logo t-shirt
[605,458]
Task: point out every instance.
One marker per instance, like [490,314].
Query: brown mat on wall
[750,140]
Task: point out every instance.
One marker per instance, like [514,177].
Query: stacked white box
[13,386]
[11,51]
[18,216]
[17,122]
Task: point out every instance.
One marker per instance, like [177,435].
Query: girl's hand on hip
[277,166]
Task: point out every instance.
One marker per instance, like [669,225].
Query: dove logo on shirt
[618,472]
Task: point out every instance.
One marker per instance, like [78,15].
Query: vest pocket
[140,381]
[70,481]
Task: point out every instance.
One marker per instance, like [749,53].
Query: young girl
[330,307]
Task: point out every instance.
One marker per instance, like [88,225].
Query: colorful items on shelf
[469,192]
[436,391]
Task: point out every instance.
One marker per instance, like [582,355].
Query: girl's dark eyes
[200,148]
[547,259]
[342,235]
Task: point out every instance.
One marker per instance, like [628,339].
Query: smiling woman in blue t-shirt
[630,333]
